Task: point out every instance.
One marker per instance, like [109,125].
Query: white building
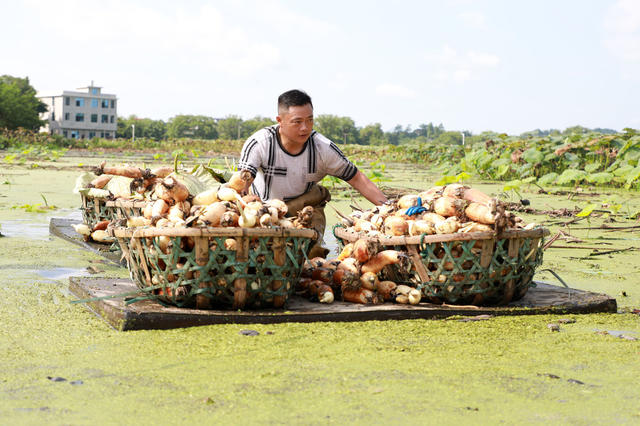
[82,114]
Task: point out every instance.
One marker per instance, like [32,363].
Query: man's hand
[247,179]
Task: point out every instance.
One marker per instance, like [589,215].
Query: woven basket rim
[126,203]
[345,234]
[121,232]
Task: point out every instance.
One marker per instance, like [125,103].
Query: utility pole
[462,133]
[133,133]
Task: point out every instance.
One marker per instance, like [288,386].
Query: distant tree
[373,134]
[254,124]
[451,138]
[230,127]
[575,129]
[395,135]
[605,131]
[19,106]
[157,129]
[145,128]
[431,133]
[192,126]
[338,129]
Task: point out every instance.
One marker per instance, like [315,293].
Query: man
[288,160]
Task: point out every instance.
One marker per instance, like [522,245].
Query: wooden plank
[228,232]
[427,239]
[144,315]
[240,284]
[62,228]
[279,257]
[202,258]
[510,286]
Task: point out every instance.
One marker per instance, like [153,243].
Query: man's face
[297,123]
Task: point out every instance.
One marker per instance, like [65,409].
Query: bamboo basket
[208,268]
[123,209]
[95,210]
[478,268]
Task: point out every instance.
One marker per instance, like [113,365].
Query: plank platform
[147,315]
[62,228]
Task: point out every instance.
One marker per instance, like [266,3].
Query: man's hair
[292,98]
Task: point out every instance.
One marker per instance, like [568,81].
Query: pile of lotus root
[180,200]
[356,275]
[439,210]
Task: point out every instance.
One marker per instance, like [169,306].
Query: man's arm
[368,189]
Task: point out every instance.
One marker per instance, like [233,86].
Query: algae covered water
[61,364]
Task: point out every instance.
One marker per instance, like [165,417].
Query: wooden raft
[62,228]
[147,315]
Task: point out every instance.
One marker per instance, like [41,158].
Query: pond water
[61,273]
[36,227]
[23,228]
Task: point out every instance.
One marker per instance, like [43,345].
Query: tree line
[20,108]
[232,127]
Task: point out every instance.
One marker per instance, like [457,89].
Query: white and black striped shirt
[281,175]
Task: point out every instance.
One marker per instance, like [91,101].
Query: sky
[506,66]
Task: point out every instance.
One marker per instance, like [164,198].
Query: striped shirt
[281,175]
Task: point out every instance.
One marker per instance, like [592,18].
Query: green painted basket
[210,268]
[95,210]
[478,268]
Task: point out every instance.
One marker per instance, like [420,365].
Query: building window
[94,103]
[67,100]
[113,103]
[102,134]
[104,118]
[111,119]
[105,103]
[66,115]
[94,90]
[94,118]
[92,135]
[79,102]
[79,116]
[53,116]
[64,133]
[74,134]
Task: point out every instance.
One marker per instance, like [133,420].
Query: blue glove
[416,209]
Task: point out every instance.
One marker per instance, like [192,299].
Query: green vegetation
[511,370]
[19,107]
[585,158]
[596,159]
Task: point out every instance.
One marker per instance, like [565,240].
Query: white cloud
[474,20]
[394,90]
[480,59]
[622,24]
[200,34]
[449,64]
